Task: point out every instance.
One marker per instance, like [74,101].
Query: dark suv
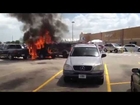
[63,48]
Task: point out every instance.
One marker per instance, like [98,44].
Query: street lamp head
[73,22]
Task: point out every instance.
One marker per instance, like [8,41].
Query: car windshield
[14,47]
[115,44]
[85,51]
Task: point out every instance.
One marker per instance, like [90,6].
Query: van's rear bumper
[72,74]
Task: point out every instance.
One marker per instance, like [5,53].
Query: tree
[7,42]
[21,39]
[0,42]
[17,41]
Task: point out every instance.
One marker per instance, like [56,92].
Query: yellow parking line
[45,83]
[119,83]
[107,78]
[53,77]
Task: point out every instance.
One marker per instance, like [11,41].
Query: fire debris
[40,29]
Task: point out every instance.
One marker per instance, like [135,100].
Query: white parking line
[122,54]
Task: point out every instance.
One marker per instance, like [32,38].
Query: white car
[132,47]
[113,47]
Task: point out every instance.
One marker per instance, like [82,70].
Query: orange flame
[50,52]
[39,44]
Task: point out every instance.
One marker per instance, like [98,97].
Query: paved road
[20,75]
[46,75]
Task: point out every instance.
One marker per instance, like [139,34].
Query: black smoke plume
[36,24]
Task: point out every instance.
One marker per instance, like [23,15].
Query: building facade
[123,36]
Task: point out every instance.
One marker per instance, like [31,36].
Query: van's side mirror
[103,55]
[136,70]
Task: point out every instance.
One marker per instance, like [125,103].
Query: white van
[99,43]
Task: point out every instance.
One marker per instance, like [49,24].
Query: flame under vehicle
[41,48]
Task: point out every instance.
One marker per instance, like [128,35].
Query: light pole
[72,29]
[12,38]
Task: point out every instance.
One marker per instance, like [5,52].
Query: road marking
[119,83]
[122,54]
[107,78]
[49,80]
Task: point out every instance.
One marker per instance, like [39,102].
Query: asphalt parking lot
[46,75]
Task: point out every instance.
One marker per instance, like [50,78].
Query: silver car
[132,48]
[84,62]
[113,47]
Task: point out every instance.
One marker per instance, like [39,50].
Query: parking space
[119,70]
[117,78]
[46,75]
[58,85]
[20,75]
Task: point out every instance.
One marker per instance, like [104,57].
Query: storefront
[122,36]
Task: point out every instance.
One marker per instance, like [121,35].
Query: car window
[85,51]
[127,45]
[14,47]
[11,47]
[110,45]
[106,45]
[115,44]
[132,45]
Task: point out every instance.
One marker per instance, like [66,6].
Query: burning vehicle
[40,31]
[63,48]
[41,48]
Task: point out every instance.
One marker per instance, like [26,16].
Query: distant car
[101,47]
[99,43]
[135,80]
[132,47]
[11,51]
[113,47]
[84,62]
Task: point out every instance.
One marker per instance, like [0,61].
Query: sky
[10,28]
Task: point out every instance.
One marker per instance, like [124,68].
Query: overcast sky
[86,23]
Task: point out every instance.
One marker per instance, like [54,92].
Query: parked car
[113,47]
[99,43]
[84,62]
[11,51]
[132,47]
[135,80]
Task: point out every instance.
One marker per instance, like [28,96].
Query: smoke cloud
[36,24]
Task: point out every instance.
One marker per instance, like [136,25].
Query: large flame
[39,44]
